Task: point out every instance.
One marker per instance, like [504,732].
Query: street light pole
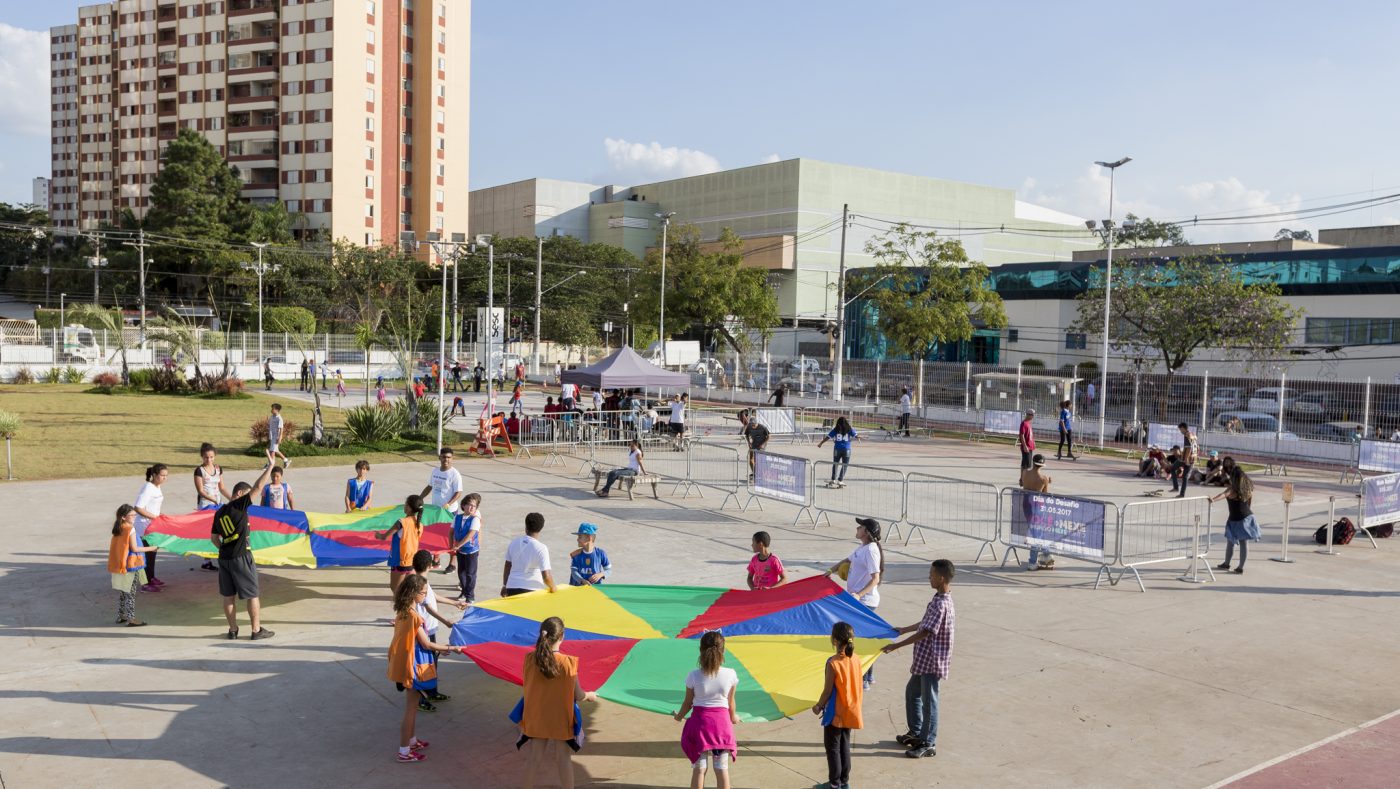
[539,277]
[1107,298]
[661,336]
[96,262]
[260,270]
[838,333]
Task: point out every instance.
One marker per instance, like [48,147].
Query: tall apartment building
[295,93]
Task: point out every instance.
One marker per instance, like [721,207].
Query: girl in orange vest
[404,670]
[127,566]
[406,532]
[839,705]
[550,680]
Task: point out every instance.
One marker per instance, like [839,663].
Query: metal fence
[864,491]
[1151,532]
[718,468]
[952,506]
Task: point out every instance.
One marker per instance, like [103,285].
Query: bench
[626,483]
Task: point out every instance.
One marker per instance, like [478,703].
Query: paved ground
[1053,683]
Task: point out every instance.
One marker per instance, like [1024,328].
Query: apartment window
[319,206]
[293,206]
[317,146]
[320,24]
[369,65]
[369,36]
[369,153]
[369,182]
[1012,335]
[292,88]
[439,196]
[214,124]
[441,116]
[320,55]
[369,7]
[1075,341]
[442,170]
[369,124]
[291,118]
[291,177]
[292,28]
[369,95]
[318,85]
[369,209]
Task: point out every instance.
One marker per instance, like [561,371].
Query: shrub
[427,416]
[231,386]
[335,439]
[163,380]
[24,375]
[259,430]
[53,375]
[9,424]
[367,424]
[141,379]
[107,380]
[72,375]
[1033,364]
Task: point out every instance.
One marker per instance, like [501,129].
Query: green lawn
[68,433]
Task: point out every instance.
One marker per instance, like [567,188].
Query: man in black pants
[238,575]
[757,436]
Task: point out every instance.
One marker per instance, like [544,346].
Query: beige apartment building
[354,113]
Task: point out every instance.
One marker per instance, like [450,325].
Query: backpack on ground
[1342,532]
[1381,531]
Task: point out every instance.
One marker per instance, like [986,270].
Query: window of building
[369,7]
[369,209]
[369,65]
[369,124]
[1351,331]
[369,182]
[1012,335]
[1076,341]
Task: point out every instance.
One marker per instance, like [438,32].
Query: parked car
[808,364]
[1339,432]
[1266,400]
[1251,423]
[1319,406]
[708,364]
[1226,398]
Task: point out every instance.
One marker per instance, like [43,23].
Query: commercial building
[1347,288]
[788,214]
[292,92]
[41,193]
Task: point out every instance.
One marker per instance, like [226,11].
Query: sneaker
[286,465]
[920,751]
[411,756]
[157,582]
[425,706]
[261,634]
[418,745]
[208,565]
[232,633]
[150,588]
[1223,566]
[1238,571]
[135,623]
[1030,568]
[438,697]
[907,740]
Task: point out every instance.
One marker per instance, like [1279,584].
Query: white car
[1266,401]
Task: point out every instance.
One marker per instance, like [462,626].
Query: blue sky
[1224,107]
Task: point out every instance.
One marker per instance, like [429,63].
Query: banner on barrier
[1379,455]
[1167,436]
[777,420]
[1381,499]
[1060,524]
[1007,422]
[780,477]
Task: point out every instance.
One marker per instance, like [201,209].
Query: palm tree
[99,317]
[181,335]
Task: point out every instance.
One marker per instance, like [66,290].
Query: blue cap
[586,528]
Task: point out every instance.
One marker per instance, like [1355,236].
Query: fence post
[328,348]
[1331,522]
[286,348]
[877,380]
[1193,576]
[1018,389]
[801,374]
[1137,385]
[919,387]
[967,386]
[1366,411]
[1205,401]
[1278,434]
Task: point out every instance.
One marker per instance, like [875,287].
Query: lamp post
[447,256]
[259,269]
[62,315]
[1107,294]
[665,226]
[96,264]
[485,240]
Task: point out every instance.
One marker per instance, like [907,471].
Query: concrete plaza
[1053,683]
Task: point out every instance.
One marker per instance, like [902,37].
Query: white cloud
[1087,195]
[24,81]
[635,161]
[770,158]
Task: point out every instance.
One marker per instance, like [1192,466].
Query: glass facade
[1352,331]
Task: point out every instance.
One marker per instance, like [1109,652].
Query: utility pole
[456,316]
[140,247]
[837,333]
[96,262]
[665,226]
[539,276]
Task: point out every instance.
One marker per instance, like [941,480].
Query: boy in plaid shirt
[933,648]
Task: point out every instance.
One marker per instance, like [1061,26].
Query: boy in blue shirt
[589,564]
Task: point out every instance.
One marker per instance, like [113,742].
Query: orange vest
[408,540]
[549,703]
[401,648]
[846,685]
[119,549]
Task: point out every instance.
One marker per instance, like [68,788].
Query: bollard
[1287,503]
[1193,576]
[1331,522]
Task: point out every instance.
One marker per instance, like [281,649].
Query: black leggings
[1230,551]
[1066,440]
[150,561]
[838,754]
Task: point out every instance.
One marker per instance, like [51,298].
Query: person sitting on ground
[1215,470]
[1153,463]
[1123,434]
[1173,464]
[513,426]
[1035,480]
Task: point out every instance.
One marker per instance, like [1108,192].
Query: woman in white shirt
[866,568]
[634,467]
[148,503]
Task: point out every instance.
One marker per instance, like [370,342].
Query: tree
[570,327]
[934,295]
[1297,235]
[292,320]
[298,325]
[182,335]
[1137,232]
[197,195]
[1166,311]
[708,289]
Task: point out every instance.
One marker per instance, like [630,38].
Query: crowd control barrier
[782,478]
[717,468]
[1067,527]
[867,491]
[953,506]
[1152,532]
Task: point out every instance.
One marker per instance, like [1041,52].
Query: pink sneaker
[418,745]
[157,582]
[411,756]
[150,588]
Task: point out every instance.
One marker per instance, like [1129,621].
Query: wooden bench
[626,483]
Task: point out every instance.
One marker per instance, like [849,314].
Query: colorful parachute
[636,643]
[303,539]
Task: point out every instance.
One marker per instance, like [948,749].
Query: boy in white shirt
[527,561]
[444,489]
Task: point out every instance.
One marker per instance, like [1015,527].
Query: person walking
[756,433]
[339,383]
[527,561]
[906,406]
[1025,439]
[149,501]
[478,375]
[267,374]
[1190,452]
[933,651]
[1066,431]
[779,395]
[238,574]
[457,376]
[126,565]
[841,435]
[304,387]
[1240,526]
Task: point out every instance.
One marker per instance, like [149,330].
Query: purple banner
[1059,524]
[1381,499]
[780,477]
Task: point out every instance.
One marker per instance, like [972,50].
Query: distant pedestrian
[478,375]
[779,395]
[267,374]
[1190,452]
[519,373]
[841,435]
[757,434]
[1089,394]
[238,574]
[457,376]
[557,372]
[906,406]
[274,437]
[381,396]
[933,651]
[339,383]
[1240,526]
[840,704]
[148,504]
[303,387]
[1025,439]
[126,565]
[324,377]
[1066,431]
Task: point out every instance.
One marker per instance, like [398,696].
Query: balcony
[253,93]
[252,8]
[261,149]
[252,33]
